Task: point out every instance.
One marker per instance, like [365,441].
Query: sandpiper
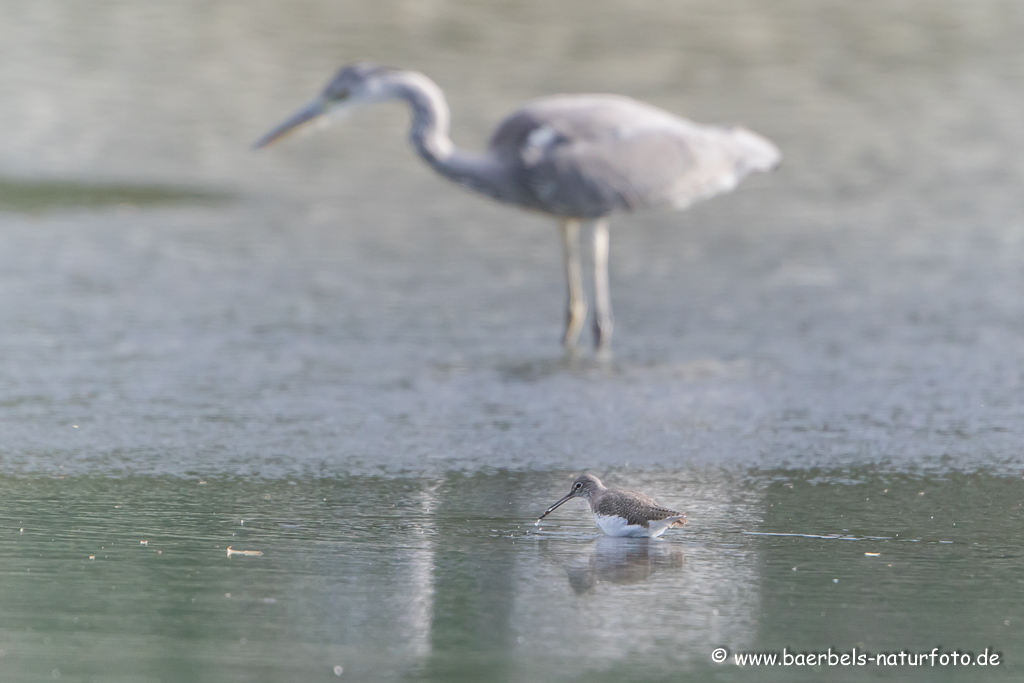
[619,512]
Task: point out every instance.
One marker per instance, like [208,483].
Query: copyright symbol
[719,654]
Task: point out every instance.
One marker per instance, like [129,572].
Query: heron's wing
[588,156]
[645,169]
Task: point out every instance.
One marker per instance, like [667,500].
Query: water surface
[446,579]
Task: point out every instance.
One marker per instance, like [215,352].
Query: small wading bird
[574,157]
[619,512]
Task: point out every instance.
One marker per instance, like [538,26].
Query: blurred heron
[574,157]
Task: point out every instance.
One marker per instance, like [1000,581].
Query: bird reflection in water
[619,560]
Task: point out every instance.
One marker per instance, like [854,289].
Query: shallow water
[362,362]
[446,579]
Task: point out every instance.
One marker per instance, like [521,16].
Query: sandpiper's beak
[312,111]
[570,496]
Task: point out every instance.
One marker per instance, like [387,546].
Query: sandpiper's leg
[602,295]
[577,309]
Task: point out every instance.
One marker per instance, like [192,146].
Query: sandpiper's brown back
[634,507]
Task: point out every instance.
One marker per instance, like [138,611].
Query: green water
[41,195]
[448,580]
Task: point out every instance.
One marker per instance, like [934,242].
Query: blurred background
[324,352]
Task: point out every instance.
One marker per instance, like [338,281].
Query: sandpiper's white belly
[613,525]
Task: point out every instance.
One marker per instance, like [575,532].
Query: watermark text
[857,657]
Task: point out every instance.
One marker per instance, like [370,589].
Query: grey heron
[574,157]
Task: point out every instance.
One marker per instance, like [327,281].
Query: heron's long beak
[310,112]
[570,496]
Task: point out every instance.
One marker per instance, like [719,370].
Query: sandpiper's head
[585,486]
[355,84]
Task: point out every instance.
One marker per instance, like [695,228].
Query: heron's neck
[431,118]
[431,123]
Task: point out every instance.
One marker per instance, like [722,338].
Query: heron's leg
[577,310]
[602,295]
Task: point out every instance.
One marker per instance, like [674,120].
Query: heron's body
[588,156]
[574,157]
[620,512]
